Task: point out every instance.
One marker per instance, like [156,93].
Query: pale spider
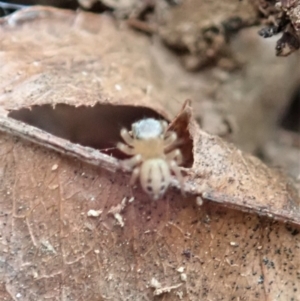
[154,157]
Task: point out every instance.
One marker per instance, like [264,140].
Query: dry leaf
[77,83]
[224,174]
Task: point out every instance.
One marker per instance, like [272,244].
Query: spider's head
[148,128]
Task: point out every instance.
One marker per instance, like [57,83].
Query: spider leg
[164,125]
[127,137]
[134,176]
[174,167]
[176,156]
[125,149]
[129,164]
[169,139]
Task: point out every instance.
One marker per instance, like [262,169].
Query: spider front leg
[134,176]
[125,149]
[164,126]
[131,163]
[176,170]
[170,138]
[127,137]
[176,156]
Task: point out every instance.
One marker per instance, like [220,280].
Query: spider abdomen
[155,177]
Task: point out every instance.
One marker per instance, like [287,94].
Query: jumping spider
[154,158]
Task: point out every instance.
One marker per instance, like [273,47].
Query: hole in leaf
[97,127]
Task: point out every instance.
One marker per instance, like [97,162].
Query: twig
[65,147]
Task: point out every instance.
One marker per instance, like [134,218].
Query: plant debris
[282,16]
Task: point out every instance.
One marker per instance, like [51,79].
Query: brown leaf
[50,247]
[77,84]
[224,174]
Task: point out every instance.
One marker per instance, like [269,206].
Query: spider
[154,158]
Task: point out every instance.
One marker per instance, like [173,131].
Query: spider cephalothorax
[154,158]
